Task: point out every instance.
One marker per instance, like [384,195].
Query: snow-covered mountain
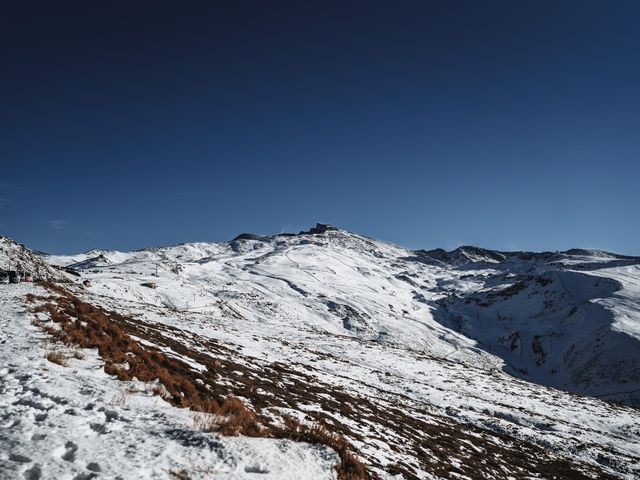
[569,321]
[429,362]
[566,319]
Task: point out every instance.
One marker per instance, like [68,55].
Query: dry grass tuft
[77,354]
[351,468]
[57,356]
[206,422]
[179,474]
[118,400]
[231,418]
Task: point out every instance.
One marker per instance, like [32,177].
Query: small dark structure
[15,276]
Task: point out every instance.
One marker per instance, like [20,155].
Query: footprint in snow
[70,453]
[99,428]
[85,476]
[34,473]
[16,457]
[255,469]
[110,415]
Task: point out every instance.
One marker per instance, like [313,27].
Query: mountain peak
[319,229]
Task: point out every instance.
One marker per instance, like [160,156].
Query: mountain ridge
[517,296]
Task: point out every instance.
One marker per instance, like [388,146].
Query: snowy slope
[336,282]
[411,355]
[541,316]
[77,422]
[569,321]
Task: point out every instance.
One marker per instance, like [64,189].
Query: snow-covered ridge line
[515,306]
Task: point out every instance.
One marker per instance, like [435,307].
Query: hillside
[565,319]
[15,256]
[430,364]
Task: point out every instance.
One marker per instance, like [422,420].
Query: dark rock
[319,229]
[249,236]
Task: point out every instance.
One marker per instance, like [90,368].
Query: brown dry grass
[57,356]
[205,422]
[77,354]
[86,326]
[350,468]
[179,474]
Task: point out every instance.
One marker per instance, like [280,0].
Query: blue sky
[510,125]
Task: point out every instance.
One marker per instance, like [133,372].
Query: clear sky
[504,124]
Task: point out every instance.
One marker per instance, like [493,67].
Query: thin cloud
[58,224]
